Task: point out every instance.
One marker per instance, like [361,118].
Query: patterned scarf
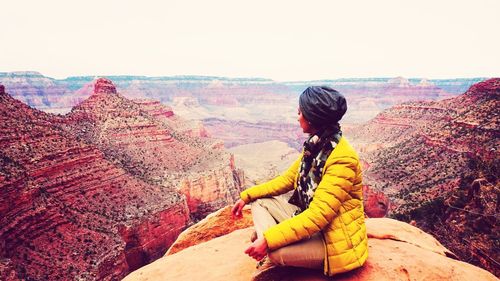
[317,148]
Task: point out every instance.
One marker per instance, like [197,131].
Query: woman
[322,224]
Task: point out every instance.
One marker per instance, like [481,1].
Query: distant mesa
[215,84]
[104,86]
[25,74]
[399,82]
[426,83]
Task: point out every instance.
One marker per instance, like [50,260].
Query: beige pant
[309,253]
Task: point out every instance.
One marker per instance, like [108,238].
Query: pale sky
[281,40]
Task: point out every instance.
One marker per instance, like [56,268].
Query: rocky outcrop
[397,251]
[69,213]
[146,241]
[376,204]
[207,191]
[104,86]
[146,139]
[398,123]
[214,225]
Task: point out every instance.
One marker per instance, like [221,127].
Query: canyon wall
[67,212]
[427,156]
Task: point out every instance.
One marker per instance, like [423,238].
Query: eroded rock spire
[104,86]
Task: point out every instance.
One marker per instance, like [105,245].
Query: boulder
[214,225]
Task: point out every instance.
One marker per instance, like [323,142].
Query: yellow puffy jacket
[336,210]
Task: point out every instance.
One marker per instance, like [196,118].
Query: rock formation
[104,86]
[397,251]
[376,203]
[465,125]
[214,225]
[67,212]
[145,139]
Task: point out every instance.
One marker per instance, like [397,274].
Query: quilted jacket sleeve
[279,185]
[333,189]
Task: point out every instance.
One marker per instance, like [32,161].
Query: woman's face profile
[304,124]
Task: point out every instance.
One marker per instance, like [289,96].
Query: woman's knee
[261,203]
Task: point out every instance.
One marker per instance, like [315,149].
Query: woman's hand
[258,249]
[237,208]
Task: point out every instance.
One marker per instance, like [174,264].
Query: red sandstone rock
[104,86]
[376,203]
[214,225]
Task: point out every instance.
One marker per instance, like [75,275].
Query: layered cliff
[423,154]
[67,212]
[147,140]
[421,135]
[40,91]
[166,114]
[397,251]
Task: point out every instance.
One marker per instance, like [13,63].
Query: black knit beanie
[322,106]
